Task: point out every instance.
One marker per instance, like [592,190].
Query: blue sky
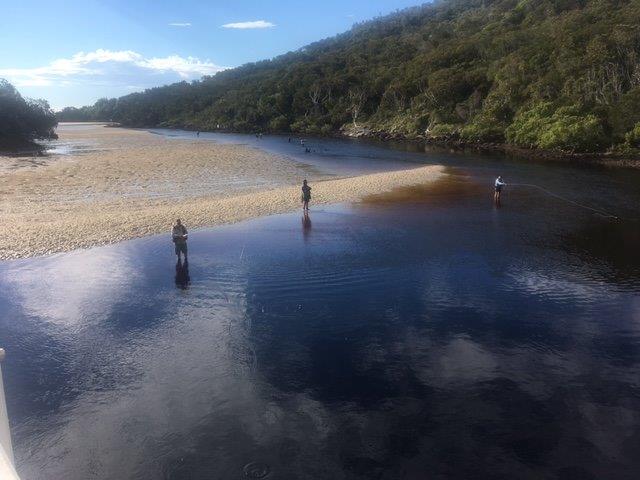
[74,52]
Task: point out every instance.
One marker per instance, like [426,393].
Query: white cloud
[247,25]
[110,67]
[185,67]
[180,24]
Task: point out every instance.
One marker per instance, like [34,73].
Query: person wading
[306,195]
[498,189]
[179,236]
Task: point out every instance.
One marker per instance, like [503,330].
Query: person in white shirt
[498,189]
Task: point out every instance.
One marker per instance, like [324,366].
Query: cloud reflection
[72,288]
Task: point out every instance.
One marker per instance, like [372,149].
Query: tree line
[23,120]
[549,74]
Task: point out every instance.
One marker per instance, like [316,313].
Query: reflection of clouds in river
[187,370]
[458,282]
[464,361]
[68,289]
[555,287]
[558,388]
[461,388]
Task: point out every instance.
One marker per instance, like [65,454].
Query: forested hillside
[22,121]
[550,74]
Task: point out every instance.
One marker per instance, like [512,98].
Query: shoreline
[509,150]
[205,212]
[134,184]
[612,160]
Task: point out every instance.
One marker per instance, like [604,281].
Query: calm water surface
[420,335]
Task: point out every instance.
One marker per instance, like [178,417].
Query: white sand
[136,183]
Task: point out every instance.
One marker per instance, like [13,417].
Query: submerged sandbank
[135,184]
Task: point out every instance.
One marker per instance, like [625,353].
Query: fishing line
[568,200]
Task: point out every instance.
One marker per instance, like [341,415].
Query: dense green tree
[557,74]
[23,120]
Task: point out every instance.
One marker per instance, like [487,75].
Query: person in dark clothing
[179,236]
[306,195]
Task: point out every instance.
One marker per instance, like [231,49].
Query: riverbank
[457,144]
[131,183]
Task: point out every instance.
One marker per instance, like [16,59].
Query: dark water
[420,335]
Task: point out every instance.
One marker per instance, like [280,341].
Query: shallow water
[420,334]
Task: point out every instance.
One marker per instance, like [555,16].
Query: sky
[73,52]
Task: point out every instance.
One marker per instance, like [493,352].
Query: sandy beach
[125,184]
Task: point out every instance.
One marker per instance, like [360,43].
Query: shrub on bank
[565,128]
[632,138]
[443,131]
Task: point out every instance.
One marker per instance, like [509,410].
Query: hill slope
[551,74]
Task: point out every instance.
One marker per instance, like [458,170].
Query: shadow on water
[609,248]
[306,225]
[182,278]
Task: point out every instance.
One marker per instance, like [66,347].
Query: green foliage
[484,127]
[483,70]
[632,138]
[444,131]
[22,121]
[530,124]
[564,128]
[279,124]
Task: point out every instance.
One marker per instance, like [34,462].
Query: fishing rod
[568,200]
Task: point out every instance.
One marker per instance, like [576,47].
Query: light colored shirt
[499,183]
[179,234]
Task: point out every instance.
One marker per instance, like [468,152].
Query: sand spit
[143,182]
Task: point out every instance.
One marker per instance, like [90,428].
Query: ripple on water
[256,470]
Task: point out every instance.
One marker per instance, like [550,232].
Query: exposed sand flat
[143,182]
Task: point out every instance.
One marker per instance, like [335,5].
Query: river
[420,334]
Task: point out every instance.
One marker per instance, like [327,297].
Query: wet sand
[128,183]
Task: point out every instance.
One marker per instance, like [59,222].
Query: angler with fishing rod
[499,184]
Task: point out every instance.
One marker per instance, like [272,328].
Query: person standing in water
[498,189]
[306,195]
[179,236]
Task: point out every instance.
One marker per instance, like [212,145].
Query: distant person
[179,236]
[499,185]
[289,139]
[182,274]
[306,196]
[198,134]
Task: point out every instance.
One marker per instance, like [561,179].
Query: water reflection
[610,246]
[182,278]
[70,289]
[306,225]
[419,333]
